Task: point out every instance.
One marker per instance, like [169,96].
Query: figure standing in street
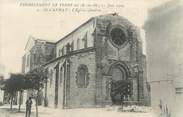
[28,107]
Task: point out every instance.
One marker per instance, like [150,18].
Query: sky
[18,23]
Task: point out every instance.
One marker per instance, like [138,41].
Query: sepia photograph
[91,58]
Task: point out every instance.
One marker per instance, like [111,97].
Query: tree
[14,84]
[35,81]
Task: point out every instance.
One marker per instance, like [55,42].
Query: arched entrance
[119,76]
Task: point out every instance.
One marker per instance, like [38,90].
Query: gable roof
[92,18]
[31,38]
[75,30]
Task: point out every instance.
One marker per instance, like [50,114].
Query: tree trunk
[20,100]
[45,99]
[37,105]
[11,103]
[122,103]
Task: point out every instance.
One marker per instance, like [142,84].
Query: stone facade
[103,51]
[128,56]
[87,95]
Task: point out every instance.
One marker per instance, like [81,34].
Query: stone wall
[82,97]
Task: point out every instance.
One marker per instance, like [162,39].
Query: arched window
[72,46]
[67,48]
[78,44]
[85,40]
[82,77]
[62,50]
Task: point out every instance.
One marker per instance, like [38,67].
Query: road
[89,112]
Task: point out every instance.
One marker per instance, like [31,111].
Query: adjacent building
[164,39]
[37,53]
[90,66]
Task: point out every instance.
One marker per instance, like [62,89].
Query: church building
[99,63]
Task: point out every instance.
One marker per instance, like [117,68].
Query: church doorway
[119,84]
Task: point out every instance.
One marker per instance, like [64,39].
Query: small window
[60,52]
[85,40]
[78,44]
[34,58]
[72,46]
[67,48]
[82,77]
